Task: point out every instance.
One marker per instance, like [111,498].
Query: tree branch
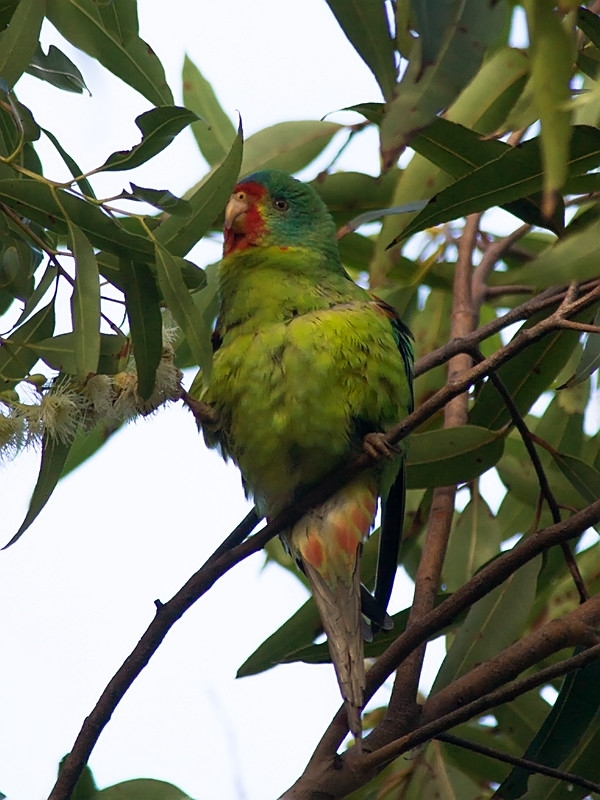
[334,775]
[523,763]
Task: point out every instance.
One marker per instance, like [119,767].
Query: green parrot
[309,369]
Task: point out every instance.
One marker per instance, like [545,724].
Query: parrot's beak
[235,212]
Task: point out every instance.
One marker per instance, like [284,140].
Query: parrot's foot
[375,445]
[204,413]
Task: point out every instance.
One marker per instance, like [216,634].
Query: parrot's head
[271,208]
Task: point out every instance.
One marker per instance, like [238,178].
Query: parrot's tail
[327,542]
[339,607]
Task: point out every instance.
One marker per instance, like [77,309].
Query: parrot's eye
[240,196]
[280,204]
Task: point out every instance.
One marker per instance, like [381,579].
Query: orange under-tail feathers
[327,541]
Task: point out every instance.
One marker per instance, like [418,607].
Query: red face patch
[247,227]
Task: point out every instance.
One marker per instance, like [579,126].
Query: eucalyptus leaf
[159,127]
[109,33]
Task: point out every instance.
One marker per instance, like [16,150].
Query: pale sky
[130,526]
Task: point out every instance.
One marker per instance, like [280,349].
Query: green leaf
[207,201]
[518,475]
[428,87]
[293,641]
[18,42]
[87,442]
[296,633]
[483,106]
[76,171]
[142,301]
[142,789]
[493,623]
[85,305]
[59,353]
[109,33]
[450,456]
[17,355]
[214,132]
[366,25]
[57,69]
[38,201]
[574,258]
[550,49]
[458,151]
[159,127]
[580,474]
[516,174]
[569,740]
[289,146]
[474,540]
[161,198]
[46,281]
[525,376]
[54,455]
[183,308]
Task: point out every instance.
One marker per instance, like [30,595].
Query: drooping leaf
[17,355]
[85,305]
[289,146]
[142,301]
[142,789]
[568,740]
[550,48]
[56,68]
[482,106]
[109,33]
[458,151]
[574,258]
[214,132]
[159,127]
[59,353]
[525,376]
[516,174]
[475,539]
[18,42]
[38,201]
[580,474]
[493,623]
[429,86]
[161,198]
[76,171]
[366,25]
[183,308]
[88,442]
[54,455]
[180,234]
[450,456]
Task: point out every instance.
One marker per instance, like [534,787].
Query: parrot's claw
[204,413]
[376,446]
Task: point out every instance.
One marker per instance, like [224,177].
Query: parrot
[309,369]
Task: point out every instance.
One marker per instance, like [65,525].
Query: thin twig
[545,491]
[523,763]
